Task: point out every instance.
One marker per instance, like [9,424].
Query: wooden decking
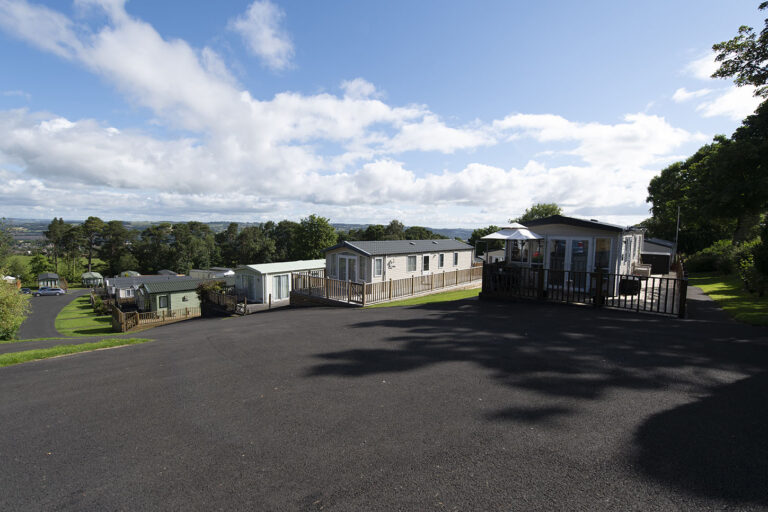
[363,294]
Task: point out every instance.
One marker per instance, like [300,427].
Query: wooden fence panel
[382,291]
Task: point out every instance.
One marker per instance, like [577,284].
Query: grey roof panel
[172,286]
[403,246]
[48,275]
[573,221]
[128,282]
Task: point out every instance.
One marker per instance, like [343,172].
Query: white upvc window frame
[378,267]
[455,259]
[408,263]
[441,260]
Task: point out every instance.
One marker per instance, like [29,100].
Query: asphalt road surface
[453,406]
[42,317]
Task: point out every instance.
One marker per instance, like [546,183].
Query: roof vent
[594,220]
[412,243]
[434,242]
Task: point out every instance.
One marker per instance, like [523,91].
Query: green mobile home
[168,295]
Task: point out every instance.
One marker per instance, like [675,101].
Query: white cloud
[736,103]
[681,95]
[359,88]
[260,28]
[733,102]
[292,153]
[703,67]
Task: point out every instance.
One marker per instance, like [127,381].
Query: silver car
[49,291]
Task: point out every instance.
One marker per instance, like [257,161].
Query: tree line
[186,245]
[721,191]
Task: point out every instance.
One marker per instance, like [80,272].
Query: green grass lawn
[730,294]
[426,299]
[61,350]
[78,319]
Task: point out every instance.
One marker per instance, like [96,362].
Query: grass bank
[62,350]
[427,299]
[78,319]
[729,293]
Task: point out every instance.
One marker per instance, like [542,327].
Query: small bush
[718,257]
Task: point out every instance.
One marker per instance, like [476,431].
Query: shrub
[14,307]
[209,286]
[718,257]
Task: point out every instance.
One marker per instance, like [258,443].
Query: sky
[437,113]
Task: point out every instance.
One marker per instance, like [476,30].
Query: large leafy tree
[55,235]
[491,245]
[39,264]
[255,246]
[684,185]
[194,246]
[745,58]
[6,241]
[395,230]
[227,243]
[539,211]
[153,250]
[313,235]
[117,240]
[284,234]
[420,233]
[72,245]
[91,230]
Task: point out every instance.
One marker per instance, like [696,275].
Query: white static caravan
[258,282]
[581,245]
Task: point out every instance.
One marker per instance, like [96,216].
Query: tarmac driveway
[454,406]
[42,317]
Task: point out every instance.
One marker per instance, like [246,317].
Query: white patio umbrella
[513,232]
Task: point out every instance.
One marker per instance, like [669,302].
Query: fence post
[599,289]
[431,281]
[412,280]
[443,278]
[390,288]
[365,292]
[683,296]
[270,302]
[327,284]
[541,283]
[349,291]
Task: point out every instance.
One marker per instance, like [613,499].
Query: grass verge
[77,319]
[427,299]
[62,350]
[729,293]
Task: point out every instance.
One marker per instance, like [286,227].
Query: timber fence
[123,322]
[364,294]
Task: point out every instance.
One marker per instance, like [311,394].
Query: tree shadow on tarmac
[567,352]
[715,447]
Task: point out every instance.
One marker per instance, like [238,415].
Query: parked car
[25,291]
[49,291]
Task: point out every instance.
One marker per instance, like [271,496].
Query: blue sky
[446,114]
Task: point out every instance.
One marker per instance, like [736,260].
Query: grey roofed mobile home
[124,287]
[48,279]
[168,294]
[375,261]
[92,279]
